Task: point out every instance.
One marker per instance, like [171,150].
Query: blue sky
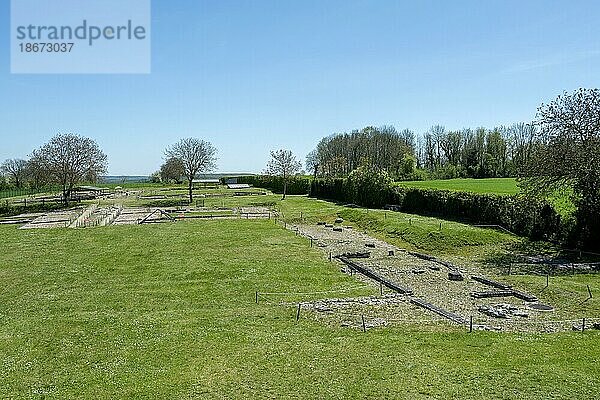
[252,76]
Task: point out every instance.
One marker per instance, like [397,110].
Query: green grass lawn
[167,311]
[490,185]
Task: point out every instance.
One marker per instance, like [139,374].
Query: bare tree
[69,159]
[196,156]
[37,177]
[16,170]
[520,143]
[284,164]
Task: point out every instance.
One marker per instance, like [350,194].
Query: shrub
[369,187]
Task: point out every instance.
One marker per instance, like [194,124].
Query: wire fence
[371,318]
[576,265]
[21,192]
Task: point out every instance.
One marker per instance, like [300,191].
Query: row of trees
[66,160]
[16,173]
[384,148]
[438,153]
[190,157]
[559,150]
[478,153]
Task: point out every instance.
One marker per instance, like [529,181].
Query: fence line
[8,193]
[473,322]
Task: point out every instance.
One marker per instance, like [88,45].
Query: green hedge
[296,185]
[534,219]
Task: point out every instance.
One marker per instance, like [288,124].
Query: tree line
[69,159]
[476,153]
[436,154]
[559,150]
[65,161]
[190,157]
[384,147]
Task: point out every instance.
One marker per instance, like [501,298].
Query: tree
[369,186]
[520,142]
[567,153]
[68,159]
[284,164]
[3,183]
[407,166]
[15,170]
[172,170]
[312,163]
[37,177]
[339,154]
[451,145]
[497,151]
[155,177]
[196,156]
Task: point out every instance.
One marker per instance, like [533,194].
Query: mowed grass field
[168,311]
[491,185]
[560,200]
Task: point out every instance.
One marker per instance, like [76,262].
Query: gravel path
[428,280]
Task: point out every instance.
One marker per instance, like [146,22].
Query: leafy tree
[567,153]
[429,152]
[312,163]
[340,154]
[284,164]
[172,170]
[496,148]
[369,186]
[15,170]
[197,156]
[407,166]
[155,177]
[68,159]
[451,144]
[520,139]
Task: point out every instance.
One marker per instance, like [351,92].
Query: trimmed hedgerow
[295,185]
[535,219]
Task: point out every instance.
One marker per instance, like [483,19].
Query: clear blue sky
[251,76]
